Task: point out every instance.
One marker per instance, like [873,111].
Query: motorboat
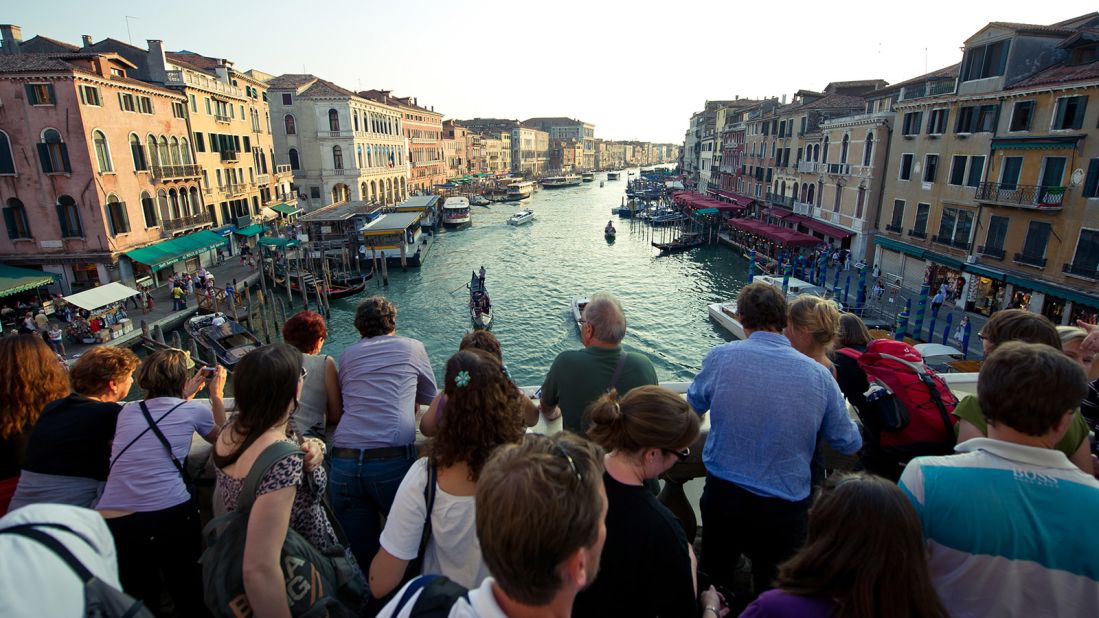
[614,175]
[456,212]
[479,200]
[222,336]
[724,313]
[587,176]
[520,190]
[560,182]
[578,305]
[480,306]
[687,240]
[525,215]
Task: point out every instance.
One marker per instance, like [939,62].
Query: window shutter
[1078,117]
[44,157]
[1059,115]
[49,90]
[65,158]
[247,144]
[64,222]
[214,146]
[32,97]
[9,220]
[125,216]
[1092,182]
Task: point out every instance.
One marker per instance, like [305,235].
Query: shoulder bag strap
[618,369]
[265,461]
[143,432]
[411,589]
[164,441]
[429,500]
[62,552]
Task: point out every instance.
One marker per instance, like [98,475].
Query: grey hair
[608,321]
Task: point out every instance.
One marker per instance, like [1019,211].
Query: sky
[636,69]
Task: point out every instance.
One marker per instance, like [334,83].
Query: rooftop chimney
[155,67]
[13,36]
[86,39]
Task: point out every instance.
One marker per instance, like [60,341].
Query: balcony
[263,180]
[331,134]
[839,169]
[950,242]
[222,118]
[808,167]
[282,169]
[229,155]
[922,235]
[992,252]
[174,225]
[780,200]
[804,208]
[1030,260]
[233,190]
[186,78]
[896,229]
[1030,197]
[172,172]
[1087,272]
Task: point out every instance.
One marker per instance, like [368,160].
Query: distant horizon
[637,68]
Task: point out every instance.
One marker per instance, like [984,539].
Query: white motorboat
[479,200]
[525,215]
[578,305]
[587,176]
[456,212]
[614,175]
[724,313]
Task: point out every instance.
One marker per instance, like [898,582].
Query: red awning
[774,233]
[820,226]
[695,201]
[780,213]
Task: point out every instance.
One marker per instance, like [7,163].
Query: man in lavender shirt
[383,378]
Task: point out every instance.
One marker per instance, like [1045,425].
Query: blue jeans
[362,492]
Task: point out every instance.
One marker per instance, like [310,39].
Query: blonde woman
[812,325]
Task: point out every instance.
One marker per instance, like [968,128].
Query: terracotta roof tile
[323,88]
[1060,74]
[28,63]
[950,71]
[291,80]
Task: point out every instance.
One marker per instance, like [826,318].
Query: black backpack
[317,583]
[438,596]
[101,600]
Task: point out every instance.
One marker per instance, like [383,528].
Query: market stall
[104,318]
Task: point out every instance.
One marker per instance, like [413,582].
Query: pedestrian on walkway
[938,300]
[56,338]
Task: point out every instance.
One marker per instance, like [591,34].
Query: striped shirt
[1009,530]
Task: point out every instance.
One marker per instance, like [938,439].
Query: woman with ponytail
[647,567]
[482,413]
[812,326]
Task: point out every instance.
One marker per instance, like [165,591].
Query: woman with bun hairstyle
[812,325]
[647,567]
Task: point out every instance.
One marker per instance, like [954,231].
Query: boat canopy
[14,280]
[101,296]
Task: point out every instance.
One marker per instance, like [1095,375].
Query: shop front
[987,288]
[1061,305]
[190,251]
[103,314]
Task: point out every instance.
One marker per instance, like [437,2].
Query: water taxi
[479,200]
[558,182]
[456,212]
[587,176]
[614,175]
[523,216]
[578,305]
[520,190]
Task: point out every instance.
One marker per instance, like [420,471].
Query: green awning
[896,245]
[1039,142]
[278,242]
[286,209]
[985,272]
[1053,290]
[169,252]
[252,230]
[707,211]
[945,260]
[15,280]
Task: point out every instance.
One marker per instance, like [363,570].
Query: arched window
[359,155]
[154,157]
[293,159]
[15,216]
[291,126]
[370,156]
[337,157]
[138,153]
[173,199]
[165,155]
[176,159]
[185,150]
[362,191]
[149,209]
[333,120]
[868,149]
[117,220]
[53,153]
[843,148]
[824,153]
[794,191]
[102,153]
[68,215]
[816,152]
[162,205]
[810,194]
[7,161]
[356,117]
[196,204]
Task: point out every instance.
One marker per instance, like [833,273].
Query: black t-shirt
[73,438]
[645,569]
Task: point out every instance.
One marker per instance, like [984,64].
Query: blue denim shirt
[768,403]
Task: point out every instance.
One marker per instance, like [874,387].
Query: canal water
[534,271]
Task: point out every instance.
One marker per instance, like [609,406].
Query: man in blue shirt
[768,404]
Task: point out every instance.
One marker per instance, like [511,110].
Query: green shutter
[1092,183]
[65,158]
[32,95]
[247,144]
[125,216]
[1078,117]
[9,220]
[65,232]
[44,157]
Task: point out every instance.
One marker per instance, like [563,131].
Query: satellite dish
[1077,177]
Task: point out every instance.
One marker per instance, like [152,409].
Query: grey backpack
[101,600]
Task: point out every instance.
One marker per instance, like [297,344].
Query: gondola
[348,286]
[480,306]
[688,240]
[223,336]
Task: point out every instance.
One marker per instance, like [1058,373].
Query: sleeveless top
[309,418]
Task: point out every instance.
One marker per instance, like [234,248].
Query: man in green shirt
[579,377]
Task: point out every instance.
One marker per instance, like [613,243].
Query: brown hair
[164,373]
[1029,387]
[555,481]
[265,384]
[92,373]
[853,331]
[481,415]
[761,306]
[375,316]
[30,377]
[877,567]
[820,317]
[1018,325]
[304,330]
[481,339]
[646,417]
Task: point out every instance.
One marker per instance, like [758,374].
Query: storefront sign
[51,244]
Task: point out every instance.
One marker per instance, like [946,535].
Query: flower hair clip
[462,379]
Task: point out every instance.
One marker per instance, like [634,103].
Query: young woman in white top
[482,412]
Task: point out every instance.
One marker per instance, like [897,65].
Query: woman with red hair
[320,401]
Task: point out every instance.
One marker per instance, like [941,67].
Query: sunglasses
[572,462]
[304,373]
[681,455]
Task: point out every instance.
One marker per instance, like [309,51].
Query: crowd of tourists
[325,502]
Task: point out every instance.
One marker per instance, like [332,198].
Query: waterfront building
[566,155]
[456,149]
[490,153]
[81,145]
[341,147]
[529,151]
[560,128]
[993,174]
[424,129]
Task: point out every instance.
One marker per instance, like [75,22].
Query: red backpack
[908,401]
